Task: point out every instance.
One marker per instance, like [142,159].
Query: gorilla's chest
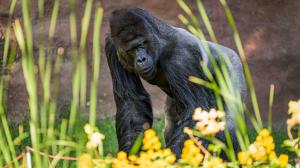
[161,81]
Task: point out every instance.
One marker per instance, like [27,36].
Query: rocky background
[270,31]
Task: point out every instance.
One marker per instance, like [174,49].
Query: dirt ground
[269,31]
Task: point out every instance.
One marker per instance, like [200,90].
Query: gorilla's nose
[141,60]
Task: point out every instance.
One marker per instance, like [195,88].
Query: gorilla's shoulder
[185,37]
[227,53]
[189,39]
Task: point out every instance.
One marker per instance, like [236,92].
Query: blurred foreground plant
[261,152]
[51,138]
[293,123]
[57,143]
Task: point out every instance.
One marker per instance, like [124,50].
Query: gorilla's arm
[132,101]
[187,96]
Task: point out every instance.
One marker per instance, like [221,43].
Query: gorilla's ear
[127,18]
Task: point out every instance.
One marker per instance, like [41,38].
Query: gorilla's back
[232,60]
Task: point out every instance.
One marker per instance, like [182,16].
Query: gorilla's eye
[131,51]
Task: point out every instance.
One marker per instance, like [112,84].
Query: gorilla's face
[134,44]
[135,55]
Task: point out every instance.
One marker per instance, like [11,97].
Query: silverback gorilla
[140,45]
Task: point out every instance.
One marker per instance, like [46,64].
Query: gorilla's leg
[176,140]
[174,135]
[170,110]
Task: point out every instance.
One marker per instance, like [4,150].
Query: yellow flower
[149,133]
[221,125]
[264,133]
[294,106]
[122,155]
[121,161]
[214,162]
[198,158]
[199,114]
[151,141]
[191,153]
[209,123]
[283,160]
[151,155]
[257,151]
[133,158]
[244,158]
[269,144]
[94,140]
[171,159]
[294,120]
[212,114]
[85,161]
[167,151]
[261,150]
[263,147]
[294,109]
[272,156]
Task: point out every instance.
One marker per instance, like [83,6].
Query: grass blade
[96,66]
[244,61]
[271,99]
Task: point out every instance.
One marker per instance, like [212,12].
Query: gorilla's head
[137,41]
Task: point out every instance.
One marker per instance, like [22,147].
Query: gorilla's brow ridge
[126,26]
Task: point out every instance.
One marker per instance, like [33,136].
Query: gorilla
[142,46]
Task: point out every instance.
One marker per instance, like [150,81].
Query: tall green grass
[222,84]
[47,134]
[8,150]
[64,137]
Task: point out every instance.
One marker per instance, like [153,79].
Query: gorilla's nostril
[141,60]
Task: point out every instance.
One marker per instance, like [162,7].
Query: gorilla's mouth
[146,72]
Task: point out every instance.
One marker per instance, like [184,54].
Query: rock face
[269,31]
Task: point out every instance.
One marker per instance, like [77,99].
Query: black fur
[173,55]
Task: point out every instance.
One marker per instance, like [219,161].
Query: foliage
[67,143]
[51,139]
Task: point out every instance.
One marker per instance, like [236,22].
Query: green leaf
[137,144]
[214,149]
[287,143]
